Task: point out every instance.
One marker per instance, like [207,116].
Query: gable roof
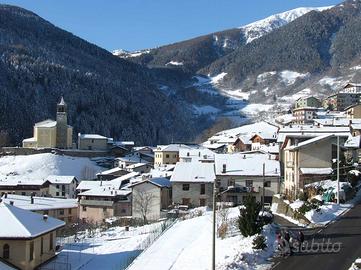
[193,172]
[61,179]
[310,141]
[46,123]
[247,164]
[20,223]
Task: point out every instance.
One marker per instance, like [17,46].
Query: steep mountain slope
[194,54]
[40,62]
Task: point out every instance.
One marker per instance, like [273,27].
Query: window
[167,156]
[63,194]
[104,209]
[203,190]
[6,251]
[42,246]
[69,211]
[186,201]
[51,242]
[249,183]
[31,251]
[267,184]
[57,186]
[46,212]
[202,202]
[61,212]
[123,211]
[84,208]
[57,193]
[231,183]
[185,187]
[23,193]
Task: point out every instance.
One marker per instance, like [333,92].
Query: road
[346,231]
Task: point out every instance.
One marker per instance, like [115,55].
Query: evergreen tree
[248,220]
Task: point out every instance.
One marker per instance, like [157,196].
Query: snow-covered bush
[259,242]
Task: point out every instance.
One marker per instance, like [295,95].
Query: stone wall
[285,209]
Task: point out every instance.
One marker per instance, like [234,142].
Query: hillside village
[56,187]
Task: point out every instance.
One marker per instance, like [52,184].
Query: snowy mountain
[259,28]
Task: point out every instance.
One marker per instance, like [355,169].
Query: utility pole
[338,169]
[264,175]
[214,226]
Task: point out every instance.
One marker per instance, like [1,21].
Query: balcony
[96,203]
[290,163]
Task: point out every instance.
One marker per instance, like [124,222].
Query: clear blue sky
[140,24]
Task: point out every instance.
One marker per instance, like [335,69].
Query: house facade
[307,160]
[192,184]
[166,154]
[93,142]
[308,102]
[62,186]
[98,204]
[242,174]
[27,239]
[151,198]
[353,111]
[50,133]
[304,115]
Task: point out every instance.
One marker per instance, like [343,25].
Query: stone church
[50,133]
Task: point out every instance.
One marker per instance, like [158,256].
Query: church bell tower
[61,124]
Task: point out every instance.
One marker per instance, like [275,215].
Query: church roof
[46,123]
[62,102]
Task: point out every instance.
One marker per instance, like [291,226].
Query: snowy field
[40,166]
[187,246]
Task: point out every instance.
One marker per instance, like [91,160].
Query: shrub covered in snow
[259,242]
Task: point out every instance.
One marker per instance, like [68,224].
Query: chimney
[101,182]
[269,157]
[32,199]
[11,202]
[244,156]
[6,195]
[45,217]
[224,170]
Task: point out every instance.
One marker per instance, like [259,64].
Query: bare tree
[142,201]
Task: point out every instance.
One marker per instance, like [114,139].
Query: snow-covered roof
[249,164]
[62,102]
[136,165]
[20,223]
[132,158]
[316,170]
[32,139]
[168,148]
[40,203]
[117,182]
[193,172]
[310,141]
[46,123]
[196,154]
[353,142]
[5,266]
[86,185]
[61,179]
[110,171]
[356,126]
[92,136]
[105,191]
[158,181]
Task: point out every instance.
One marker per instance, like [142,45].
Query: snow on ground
[255,108]
[334,83]
[111,249]
[205,109]
[174,63]
[263,76]
[289,77]
[218,78]
[355,68]
[259,28]
[187,246]
[40,166]
[356,265]
[292,98]
[127,54]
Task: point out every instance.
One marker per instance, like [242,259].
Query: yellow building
[27,239]
[353,111]
[50,133]
[166,154]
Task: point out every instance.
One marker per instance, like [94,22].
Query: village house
[27,239]
[304,115]
[52,134]
[94,142]
[192,184]
[166,154]
[26,188]
[139,167]
[241,174]
[151,198]
[346,97]
[311,101]
[200,154]
[63,209]
[112,173]
[98,204]
[353,111]
[307,160]
[62,186]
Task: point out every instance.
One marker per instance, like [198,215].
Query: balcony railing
[96,203]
